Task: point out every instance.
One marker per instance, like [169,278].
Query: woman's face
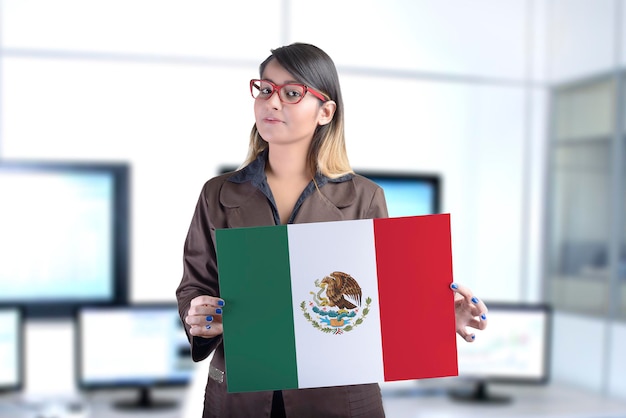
[284,123]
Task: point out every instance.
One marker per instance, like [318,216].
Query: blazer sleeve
[199,272]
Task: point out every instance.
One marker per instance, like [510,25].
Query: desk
[405,402]
[99,404]
[527,401]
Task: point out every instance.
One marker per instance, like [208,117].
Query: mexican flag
[337,303]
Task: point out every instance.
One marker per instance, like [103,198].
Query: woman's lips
[272,120]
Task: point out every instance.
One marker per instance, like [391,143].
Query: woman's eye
[265,90]
[294,93]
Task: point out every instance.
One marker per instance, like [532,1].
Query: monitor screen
[408,194]
[63,235]
[11,349]
[136,346]
[514,348]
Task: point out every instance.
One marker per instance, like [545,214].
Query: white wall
[581,38]
[617,363]
[444,86]
[585,39]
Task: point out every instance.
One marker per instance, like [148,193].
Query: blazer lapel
[324,205]
[245,205]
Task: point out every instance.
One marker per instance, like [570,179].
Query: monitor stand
[478,393]
[145,401]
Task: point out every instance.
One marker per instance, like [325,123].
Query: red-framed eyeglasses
[291,93]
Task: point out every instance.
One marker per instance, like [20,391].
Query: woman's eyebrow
[286,82]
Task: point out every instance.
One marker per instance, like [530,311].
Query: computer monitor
[11,349]
[514,348]
[64,235]
[407,193]
[140,346]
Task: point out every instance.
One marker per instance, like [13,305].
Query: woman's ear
[326,112]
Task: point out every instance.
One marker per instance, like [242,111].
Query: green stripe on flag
[257,291]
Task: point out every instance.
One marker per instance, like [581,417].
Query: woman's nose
[274,100]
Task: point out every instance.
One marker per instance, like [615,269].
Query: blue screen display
[63,235]
[150,347]
[55,236]
[408,197]
[408,194]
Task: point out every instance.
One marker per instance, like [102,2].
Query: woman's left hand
[469,312]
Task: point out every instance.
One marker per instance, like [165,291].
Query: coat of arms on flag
[293,290]
[336,306]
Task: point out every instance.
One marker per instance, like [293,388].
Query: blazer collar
[245,191]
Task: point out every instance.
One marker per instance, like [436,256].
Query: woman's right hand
[205,316]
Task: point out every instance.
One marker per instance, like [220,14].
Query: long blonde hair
[312,67]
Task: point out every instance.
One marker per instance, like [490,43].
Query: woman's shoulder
[352,186]
[231,189]
[221,178]
[358,194]
[213,187]
[361,181]
[216,182]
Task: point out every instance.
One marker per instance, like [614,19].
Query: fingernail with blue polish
[209,318]
[208,327]
[473,337]
[474,299]
[220,302]
[483,317]
[454,286]
[218,311]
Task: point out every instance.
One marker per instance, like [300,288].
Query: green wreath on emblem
[358,322]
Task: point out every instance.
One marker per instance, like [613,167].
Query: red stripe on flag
[414,267]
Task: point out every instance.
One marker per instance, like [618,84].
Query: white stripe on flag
[315,251]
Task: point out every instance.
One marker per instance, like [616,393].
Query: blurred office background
[518,105]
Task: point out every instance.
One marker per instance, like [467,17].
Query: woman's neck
[287,175]
[288,163]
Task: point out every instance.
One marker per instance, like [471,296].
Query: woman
[296,171]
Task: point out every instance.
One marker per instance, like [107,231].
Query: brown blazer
[224,204]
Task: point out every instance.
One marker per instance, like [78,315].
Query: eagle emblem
[336,306]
